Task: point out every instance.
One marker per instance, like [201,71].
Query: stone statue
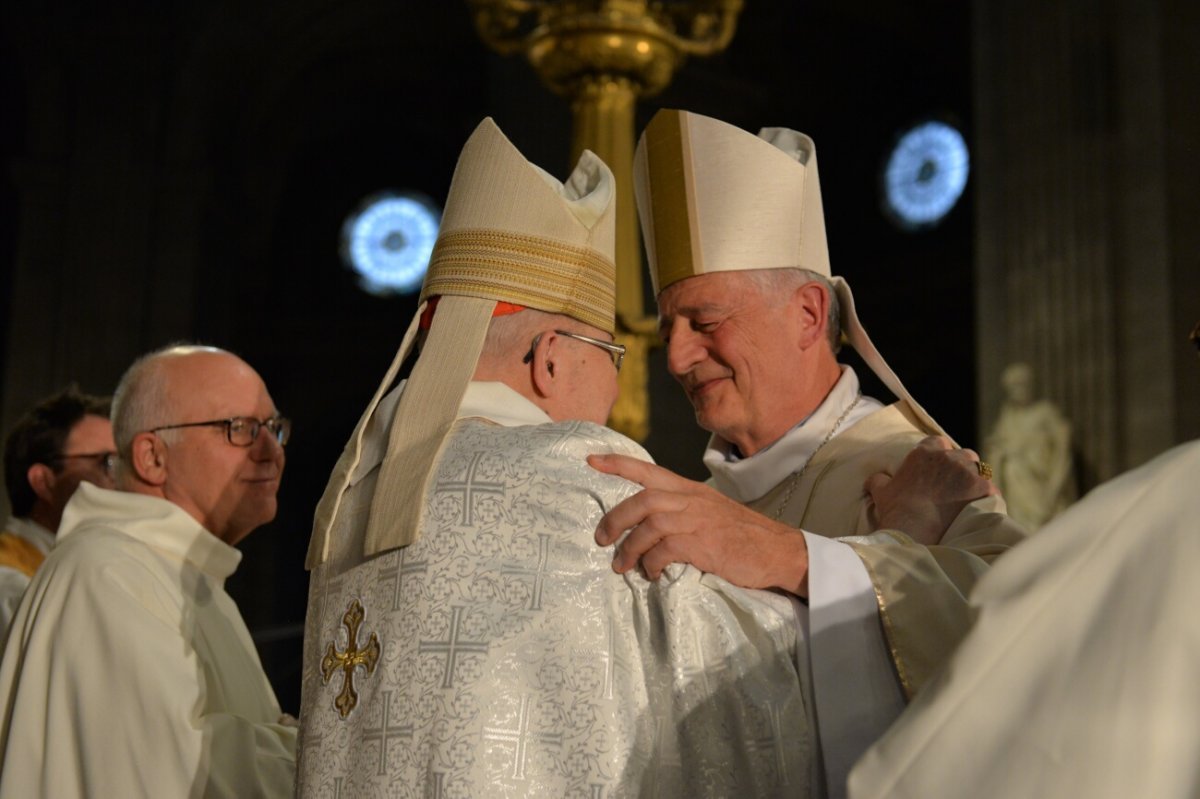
[1030,452]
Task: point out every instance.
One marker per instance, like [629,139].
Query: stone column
[1074,255]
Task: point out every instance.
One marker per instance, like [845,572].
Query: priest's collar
[498,403]
[746,479]
[156,522]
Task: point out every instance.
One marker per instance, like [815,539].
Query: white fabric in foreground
[129,671]
[1080,675]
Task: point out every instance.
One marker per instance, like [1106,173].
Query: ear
[42,479]
[148,459]
[544,374]
[811,303]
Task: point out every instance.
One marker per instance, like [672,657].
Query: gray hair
[142,398]
[774,283]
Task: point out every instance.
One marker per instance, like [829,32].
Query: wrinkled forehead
[701,293]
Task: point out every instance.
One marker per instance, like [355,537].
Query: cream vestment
[129,671]
[1079,677]
[500,655]
[23,547]
[885,612]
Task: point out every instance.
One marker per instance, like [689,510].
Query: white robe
[1081,676]
[13,582]
[129,671]
[514,662]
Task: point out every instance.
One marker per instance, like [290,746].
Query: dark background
[182,170]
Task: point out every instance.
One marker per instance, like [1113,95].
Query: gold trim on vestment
[672,199]
[17,553]
[526,270]
[889,628]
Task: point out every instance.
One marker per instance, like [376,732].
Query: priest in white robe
[129,671]
[60,442]
[465,635]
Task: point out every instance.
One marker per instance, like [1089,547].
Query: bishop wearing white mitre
[465,635]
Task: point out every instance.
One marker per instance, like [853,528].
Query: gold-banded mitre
[510,233]
[513,233]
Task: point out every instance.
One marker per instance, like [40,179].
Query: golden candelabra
[603,55]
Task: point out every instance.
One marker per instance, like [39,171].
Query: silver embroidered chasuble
[513,662]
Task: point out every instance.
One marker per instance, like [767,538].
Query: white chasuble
[1079,677]
[129,671]
[499,655]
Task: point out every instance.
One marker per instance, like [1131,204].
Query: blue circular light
[388,241]
[926,174]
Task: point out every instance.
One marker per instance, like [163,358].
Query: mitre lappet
[511,235]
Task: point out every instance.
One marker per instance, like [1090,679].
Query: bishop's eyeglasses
[242,431]
[615,351]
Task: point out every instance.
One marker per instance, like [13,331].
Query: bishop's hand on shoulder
[934,482]
[676,520]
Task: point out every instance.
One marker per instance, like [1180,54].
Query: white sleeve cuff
[856,692]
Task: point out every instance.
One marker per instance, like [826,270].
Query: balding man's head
[141,401]
[196,426]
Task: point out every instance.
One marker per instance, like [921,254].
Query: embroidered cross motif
[699,671]
[563,435]
[351,659]
[331,589]
[396,574]
[309,748]
[661,756]
[452,646]
[538,574]
[385,732]
[773,742]
[521,737]
[612,662]
[469,487]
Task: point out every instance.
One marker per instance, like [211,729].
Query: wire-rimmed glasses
[241,431]
[615,351]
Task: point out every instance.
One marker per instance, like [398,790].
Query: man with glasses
[63,440]
[129,671]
